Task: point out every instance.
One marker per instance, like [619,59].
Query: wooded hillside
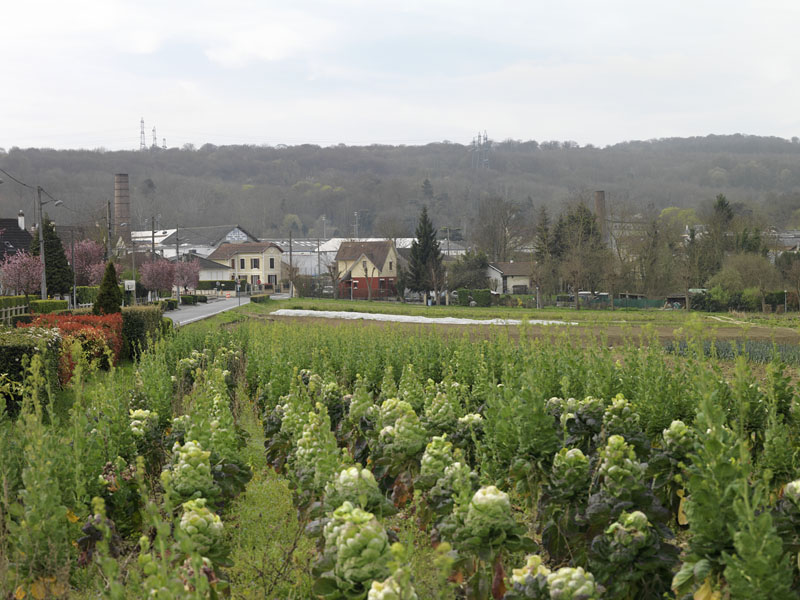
[272,189]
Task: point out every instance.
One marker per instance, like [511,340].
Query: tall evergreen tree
[57,269]
[426,257]
[109,296]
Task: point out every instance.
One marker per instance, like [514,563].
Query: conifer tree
[426,257]
[57,269]
[109,297]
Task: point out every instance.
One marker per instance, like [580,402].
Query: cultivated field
[631,456]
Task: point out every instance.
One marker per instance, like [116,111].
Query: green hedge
[86,294]
[259,298]
[47,306]
[12,301]
[212,285]
[16,348]
[168,303]
[24,318]
[139,323]
[188,299]
[481,297]
[202,299]
[167,326]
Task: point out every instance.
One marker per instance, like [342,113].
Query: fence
[6,314]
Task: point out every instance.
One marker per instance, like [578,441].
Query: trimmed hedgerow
[260,298]
[12,301]
[47,306]
[140,323]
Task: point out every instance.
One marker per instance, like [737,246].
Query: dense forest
[271,190]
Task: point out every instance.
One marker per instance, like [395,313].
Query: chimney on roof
[21,220]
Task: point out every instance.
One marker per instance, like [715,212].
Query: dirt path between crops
[613,335]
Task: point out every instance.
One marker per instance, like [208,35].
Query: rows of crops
[533,468]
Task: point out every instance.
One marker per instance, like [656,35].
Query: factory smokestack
[122,208]
[600,214]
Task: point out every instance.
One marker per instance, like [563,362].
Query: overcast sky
[81,73]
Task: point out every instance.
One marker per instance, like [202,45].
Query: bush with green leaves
[570,583]
[202,526]
[411,389]
[563,504]
[109,296]
[441,414]
[317,457]
[530,581]
[189,476]
[620,418]
[357,486]
[355,554]
[632,560]
[437,457]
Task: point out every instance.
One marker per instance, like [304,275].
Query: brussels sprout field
[384,464]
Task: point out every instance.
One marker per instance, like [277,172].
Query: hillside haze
[272,190]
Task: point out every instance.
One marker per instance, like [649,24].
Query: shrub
[167,325]
[24,318]
[188,299]
[12,301]
[169,303]
[87,294]
[481,297]
[95,333]
[109,297]
[17,346]
[138,324]
[202,299]
[47,306]
[260,298]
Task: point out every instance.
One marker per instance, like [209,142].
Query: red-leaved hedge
[95,334]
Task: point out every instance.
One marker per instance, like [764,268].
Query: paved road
[189,314]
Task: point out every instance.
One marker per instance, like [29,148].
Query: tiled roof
[376,252]
[226,251]
[12,238]
[204,236]
[514,269]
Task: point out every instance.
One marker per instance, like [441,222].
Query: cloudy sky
[82,73]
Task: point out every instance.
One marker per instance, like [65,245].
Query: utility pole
[72,261]
[108,230]
[319,268]
[153,238]
[291,268]
[41,242]
[355,226]
[323,228]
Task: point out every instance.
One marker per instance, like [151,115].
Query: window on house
[390,265]
[364,265]
[254,263]
[271,263]
[381,283]
[241,263]
[254,279]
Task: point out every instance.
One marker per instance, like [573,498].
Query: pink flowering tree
[187,274]
[157,275]
[88,254]
[21,273]
[97,270]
